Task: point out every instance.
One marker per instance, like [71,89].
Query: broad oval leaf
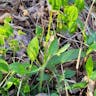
[33,48]
[23,69]
[3,66]
[18,68]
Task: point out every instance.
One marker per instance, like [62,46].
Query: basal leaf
[33,48]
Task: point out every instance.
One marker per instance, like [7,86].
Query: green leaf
[91,48]
[91,38]
[2,40]
[19,68]
[23,69]
[63,49]
[54,94]
[8,29]
[8,85]
[12,80]
[2,51]
[33,48]
[14,44]
[34,70]
[80,4]
[79,85]
[3,66]
[46,77]
[72,26]
[39,30]
[1,76]
[3,92]
[57,4]
[95,92]
[64,57]
[89,66]
[26,88]
[93,75]
[53,47]
[71,13]
[20,32]
[80,23]
[69,73]
[7,20]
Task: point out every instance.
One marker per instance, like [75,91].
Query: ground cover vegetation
[47,48]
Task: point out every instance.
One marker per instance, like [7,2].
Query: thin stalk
[19,87]
[11,74]
[5,79]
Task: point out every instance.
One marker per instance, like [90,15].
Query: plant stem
[19,87]
[5,79]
